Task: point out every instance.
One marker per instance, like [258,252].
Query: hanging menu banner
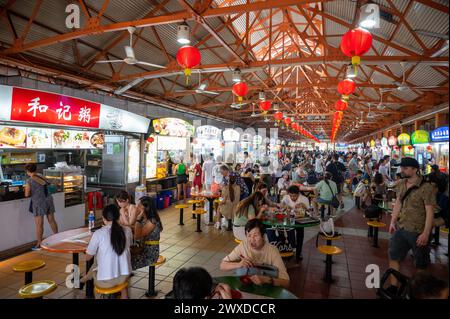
[209,131]
[33,106]
[440,134]
[420,137]
[173,127]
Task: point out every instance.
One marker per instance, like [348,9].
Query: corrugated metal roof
[425,75]
[406,40]
[343,9]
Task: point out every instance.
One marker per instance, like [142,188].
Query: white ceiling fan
[200,89]
[130,57]
[403,86]
[380,105]
[372,115]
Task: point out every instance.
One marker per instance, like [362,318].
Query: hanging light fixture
[236,75]
[369,16]
[262,96]
[350,72]
[183,33]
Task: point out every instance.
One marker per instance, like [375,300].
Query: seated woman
[128,211]
[262,187]
[230,195]
[283,183]
[111,247]
[249,208]
[256,251]
[325,189]
[147,230]
[196,283]
[294,200]
[248,178]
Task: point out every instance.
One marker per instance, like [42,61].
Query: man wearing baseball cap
[412,218]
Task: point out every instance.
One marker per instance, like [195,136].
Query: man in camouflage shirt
[412,218]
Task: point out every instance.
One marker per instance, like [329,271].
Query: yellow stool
[329,239]
[237,241]
[329,251]
[28,267]
[107,292]
[288,254]
[151,276]
[37,289]
[181,207]
[198,212]
[375,224]
[196,203]
[444,230]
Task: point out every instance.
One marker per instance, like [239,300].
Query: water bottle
[91,220]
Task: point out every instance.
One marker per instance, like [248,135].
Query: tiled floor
[183,247]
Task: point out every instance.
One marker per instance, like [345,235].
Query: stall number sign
[43,107]
[440,134]
[208,131]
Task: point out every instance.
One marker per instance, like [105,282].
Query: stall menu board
[173,127]
[420,137]
[384,141]
[440,134]
[403,139]
[408,150]
[392,141]
[12,137]
[39,137]
[231,135]
[209,132]
[171,143]
[68,139]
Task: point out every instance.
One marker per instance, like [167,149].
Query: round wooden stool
[329,251]
[28,267]
[376,225]
[151,276]
[108,293]
[198,212]
[37,289]
[181,207]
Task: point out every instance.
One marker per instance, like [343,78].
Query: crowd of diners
[129,239]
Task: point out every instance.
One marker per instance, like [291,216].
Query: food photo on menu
[39,138]
[12,137]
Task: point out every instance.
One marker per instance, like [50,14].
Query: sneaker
[36,248]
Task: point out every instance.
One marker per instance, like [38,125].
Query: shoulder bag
[334,201]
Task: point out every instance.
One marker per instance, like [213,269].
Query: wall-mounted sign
[408,150]
[257,140]
[209,132]
[440,134]
[403,139]
[384,141]
[13,137]
[173,127]
[372,143]
[420,137]
[34,106]
[392,141]
[230,135]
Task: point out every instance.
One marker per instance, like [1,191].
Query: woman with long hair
[378,188]
[128,211]
[111,247]
[231,194]
[249,208]
[147,232]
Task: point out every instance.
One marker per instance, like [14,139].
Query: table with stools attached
[210,197]
[74,241]
[299,226]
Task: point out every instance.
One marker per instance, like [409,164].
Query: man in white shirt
[207,176]
[319,165]
[248,163]
[217,176]
[383,170]
[294,200]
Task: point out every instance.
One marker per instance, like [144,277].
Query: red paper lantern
[340,105]
[346,87]
[264,106]
[355,43]
[150,139]
[278,116]
[293,125]
[240,89]
[429,148]
[287,121]
[188,57]
[410,147]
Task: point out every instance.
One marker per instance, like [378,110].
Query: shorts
[402,241]
[323,201]
[182,179]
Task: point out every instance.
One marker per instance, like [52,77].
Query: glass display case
[71,183]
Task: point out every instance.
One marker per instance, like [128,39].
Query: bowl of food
[97,140]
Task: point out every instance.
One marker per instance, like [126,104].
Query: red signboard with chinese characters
[43,107]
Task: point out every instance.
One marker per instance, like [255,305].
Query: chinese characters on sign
[43,107]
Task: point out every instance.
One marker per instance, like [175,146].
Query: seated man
[254,251]
[294,199]
[196,283]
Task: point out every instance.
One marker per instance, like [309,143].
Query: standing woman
[198,175]
[231,194]
[111,247]
[128,211]
[367,168]
[182,179]
[41,203]
[147,230]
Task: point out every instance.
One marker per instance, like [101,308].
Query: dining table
[74,241]
[253,291]
[210,197]
[299,225]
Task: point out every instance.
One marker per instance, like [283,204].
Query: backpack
[373,211]
[312,179]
